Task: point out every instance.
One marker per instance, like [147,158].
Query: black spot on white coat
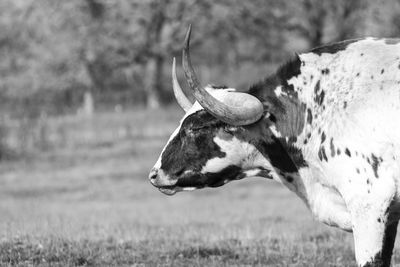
[309,116]
[392,41]
[323,137]
[332,146]
[333,48]
[375,164]
[325,71]
[322,154]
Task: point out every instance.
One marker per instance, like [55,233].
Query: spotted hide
[330,132]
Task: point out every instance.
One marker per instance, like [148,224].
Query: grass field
[90,204]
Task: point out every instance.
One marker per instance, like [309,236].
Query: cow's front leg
[374,228]
[374,241]
[388,242]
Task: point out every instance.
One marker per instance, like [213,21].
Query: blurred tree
[320,22]
[309,20]
[134,38]
[348,18]
[151,52]
[252,26]
[53,51]
[90,56]
[162,26]
[394,25]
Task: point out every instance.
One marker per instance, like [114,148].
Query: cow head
[219,139]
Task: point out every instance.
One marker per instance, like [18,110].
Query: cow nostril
[153,174]
[178,173]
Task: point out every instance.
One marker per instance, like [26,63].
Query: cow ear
[269,111]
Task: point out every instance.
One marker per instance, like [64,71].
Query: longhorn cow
[326,125]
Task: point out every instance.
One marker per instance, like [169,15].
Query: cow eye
[194,130]
[230,129]
[190,131]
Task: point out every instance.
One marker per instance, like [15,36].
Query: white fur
[241,154]
[278,91]
[275,131]
[251,173]
[234,154]
[365,77]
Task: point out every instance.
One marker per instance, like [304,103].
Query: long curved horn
[246,109]
[182,100]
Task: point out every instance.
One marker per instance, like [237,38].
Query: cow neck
[290,119]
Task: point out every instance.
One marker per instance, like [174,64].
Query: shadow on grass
[206,252]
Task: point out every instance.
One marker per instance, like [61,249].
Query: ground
[89,203]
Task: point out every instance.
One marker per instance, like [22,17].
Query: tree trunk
[155,64]
[316,39]
[88,104]
[154,82]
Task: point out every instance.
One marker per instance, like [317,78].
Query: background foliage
[52,52]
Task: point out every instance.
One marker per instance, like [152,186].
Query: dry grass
[89,204]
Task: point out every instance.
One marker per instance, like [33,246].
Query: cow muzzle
[162,182]
[165,183]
